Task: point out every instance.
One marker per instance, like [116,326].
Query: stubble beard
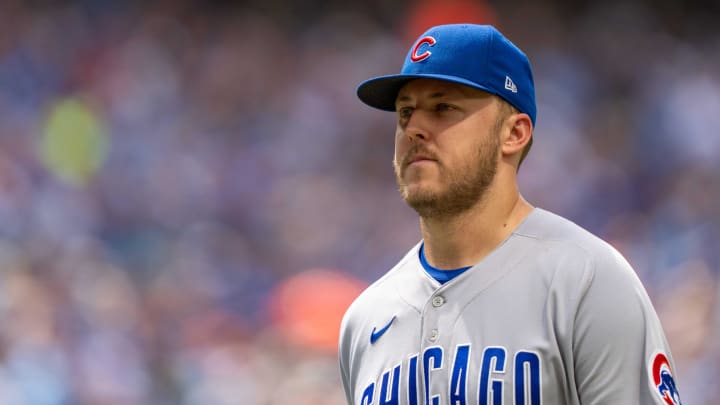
[464,188]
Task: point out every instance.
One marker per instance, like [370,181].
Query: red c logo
[430,41]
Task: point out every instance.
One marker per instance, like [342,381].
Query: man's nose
[417,128]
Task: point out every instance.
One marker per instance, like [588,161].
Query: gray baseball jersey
[553,316]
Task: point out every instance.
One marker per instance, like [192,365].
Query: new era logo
[510,85]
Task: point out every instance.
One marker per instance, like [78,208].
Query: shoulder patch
[663,379]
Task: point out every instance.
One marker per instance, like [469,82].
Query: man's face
[446,146]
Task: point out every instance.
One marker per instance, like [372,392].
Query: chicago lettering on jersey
[523,368]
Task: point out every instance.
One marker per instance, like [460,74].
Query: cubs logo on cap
[663,380]
[415,55]
[478,56]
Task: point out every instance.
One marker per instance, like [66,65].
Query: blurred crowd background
[191,194]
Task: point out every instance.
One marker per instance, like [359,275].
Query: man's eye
[405,112]
[443,107]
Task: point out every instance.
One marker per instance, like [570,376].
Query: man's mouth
[419,158]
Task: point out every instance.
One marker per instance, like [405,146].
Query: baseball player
[500,302]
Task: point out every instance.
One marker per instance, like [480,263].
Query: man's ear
[518,136]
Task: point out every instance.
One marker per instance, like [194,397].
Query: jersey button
[433,335]
[438,301]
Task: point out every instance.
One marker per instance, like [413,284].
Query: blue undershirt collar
[442,276]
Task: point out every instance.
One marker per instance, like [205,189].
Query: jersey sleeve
[344,357]
[620,351]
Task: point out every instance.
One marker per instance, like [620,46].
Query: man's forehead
[437,88]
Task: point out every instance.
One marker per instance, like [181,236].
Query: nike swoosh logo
[375,335]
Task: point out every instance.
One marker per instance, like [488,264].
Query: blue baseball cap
[478,56]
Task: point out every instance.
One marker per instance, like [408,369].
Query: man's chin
[421,200]
[418,192]
[435,204]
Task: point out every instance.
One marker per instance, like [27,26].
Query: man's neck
[466,238]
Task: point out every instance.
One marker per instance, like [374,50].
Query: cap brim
[381,92]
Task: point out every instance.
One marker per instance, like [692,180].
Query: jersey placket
[436,336]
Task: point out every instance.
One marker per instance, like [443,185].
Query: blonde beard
[464,187]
